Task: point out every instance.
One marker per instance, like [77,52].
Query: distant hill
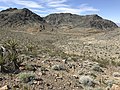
[72,20]
[24,19]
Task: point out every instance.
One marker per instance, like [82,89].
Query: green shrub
[87,81]
[30,67]
[31,49]
[26,77]
[97,68]
[58,67]
[109,83]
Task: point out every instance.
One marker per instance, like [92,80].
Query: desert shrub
[102,62]
[29,67]
[109,83]
[31,49]
[26,77]
[87,81]
[97,68]
[43,69]
[118,63]
[58,67]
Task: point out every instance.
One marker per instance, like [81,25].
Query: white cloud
[50,6]
[25,3]
[30,4]
[3,7]
[56,1]
[85,7]
[67,10]
[81,9]
[58,5]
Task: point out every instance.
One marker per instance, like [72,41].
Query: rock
[40,74]
[60,77]
[64,61]
[116,74]
[4,87]
[115,87]
[75,76]
[35,82]
[21,68]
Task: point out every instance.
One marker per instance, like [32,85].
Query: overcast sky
[108,9]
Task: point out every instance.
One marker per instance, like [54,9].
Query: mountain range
[24,19]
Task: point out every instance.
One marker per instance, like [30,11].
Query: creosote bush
[58,67]
[97,68]
[26,77]
[87,81]
[31,49]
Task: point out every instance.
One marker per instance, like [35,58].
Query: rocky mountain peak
[94,17]
[9,10]
[20,18]
[73,20]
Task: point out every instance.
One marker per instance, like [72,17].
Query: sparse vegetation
[65,59]
[26,77]
[87,81]
[58,67]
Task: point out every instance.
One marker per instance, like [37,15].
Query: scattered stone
[21,68]
[115,87]
[75,76]
[4,87]
[64,61]
[59,77]
[116,74]
[40,74]
[35,82]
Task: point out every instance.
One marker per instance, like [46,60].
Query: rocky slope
[72,20]
[21,19]
[26,20]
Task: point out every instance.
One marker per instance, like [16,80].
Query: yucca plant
[8,61]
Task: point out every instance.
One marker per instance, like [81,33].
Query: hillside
[22,19]
[26,20]
[69,20]
[76,57]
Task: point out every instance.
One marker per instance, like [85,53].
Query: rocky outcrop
[73,20]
